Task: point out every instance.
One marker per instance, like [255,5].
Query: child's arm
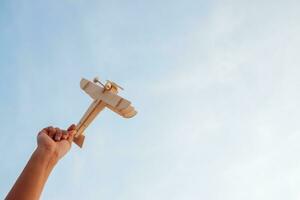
[53,144]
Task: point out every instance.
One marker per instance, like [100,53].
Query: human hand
[56,141]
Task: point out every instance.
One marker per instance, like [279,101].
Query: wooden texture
[79,140]
[95,108]
[103,97]
[108,96]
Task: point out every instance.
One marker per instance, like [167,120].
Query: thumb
[72,127]
[71,135]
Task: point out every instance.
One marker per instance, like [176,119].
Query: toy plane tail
[79,140]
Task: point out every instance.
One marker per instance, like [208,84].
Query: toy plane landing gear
[104,95]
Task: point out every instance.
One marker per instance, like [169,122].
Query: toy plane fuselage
[103,96]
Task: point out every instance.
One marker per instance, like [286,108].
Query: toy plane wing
[113,101]
[105,96]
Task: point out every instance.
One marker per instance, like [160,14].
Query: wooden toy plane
[104,95]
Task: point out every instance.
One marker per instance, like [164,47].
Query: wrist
[48,155]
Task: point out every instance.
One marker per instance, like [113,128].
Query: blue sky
[216,84]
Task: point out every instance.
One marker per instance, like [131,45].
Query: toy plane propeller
[104,95]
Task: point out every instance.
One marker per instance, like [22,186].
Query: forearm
[34,176]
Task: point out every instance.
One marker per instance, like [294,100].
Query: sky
[216,85]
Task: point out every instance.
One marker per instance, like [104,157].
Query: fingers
[71,132]
[51,131]
[71,135]
[65,134]
[42,132]
[72,127]
[58,134]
